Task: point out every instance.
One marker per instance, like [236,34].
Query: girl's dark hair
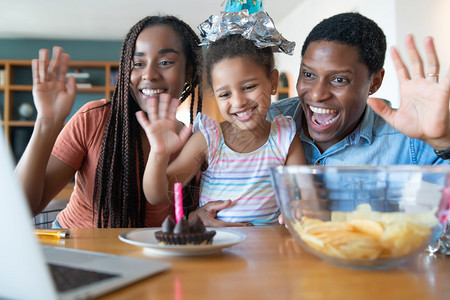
[236,45]
[118,196]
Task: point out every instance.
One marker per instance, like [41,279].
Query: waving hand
[424,108]
[160,125]
[52,96]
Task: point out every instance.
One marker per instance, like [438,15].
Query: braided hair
[118,198]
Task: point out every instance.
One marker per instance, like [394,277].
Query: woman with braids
[103,145]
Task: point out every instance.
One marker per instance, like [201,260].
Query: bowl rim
[310,169]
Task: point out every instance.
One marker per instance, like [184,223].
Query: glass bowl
[369,217]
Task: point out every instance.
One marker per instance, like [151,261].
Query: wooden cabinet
[284,86]
[17,111]
[283,92]
[16,93]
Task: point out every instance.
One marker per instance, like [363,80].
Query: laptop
[25,265]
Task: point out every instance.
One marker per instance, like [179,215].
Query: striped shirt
[243,178]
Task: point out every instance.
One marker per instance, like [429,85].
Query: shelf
[28,88]
[20,123]
[18,87]
[18,90]
[94,89]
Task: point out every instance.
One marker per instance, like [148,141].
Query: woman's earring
[274,90]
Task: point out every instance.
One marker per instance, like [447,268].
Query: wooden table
[269,264]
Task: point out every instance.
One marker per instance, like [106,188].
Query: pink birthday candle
[178,201]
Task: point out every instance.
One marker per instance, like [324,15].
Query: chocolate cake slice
[182,233]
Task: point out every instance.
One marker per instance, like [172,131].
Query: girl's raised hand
[424,109]
[53,96]
[160,125]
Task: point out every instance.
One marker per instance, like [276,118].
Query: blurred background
[94,29]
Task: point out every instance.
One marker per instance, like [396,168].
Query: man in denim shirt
[342,64]
[372,142]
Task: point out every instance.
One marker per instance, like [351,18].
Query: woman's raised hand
[161,126]
[53,95]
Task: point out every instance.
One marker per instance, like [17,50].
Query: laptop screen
[24,273]
[21,258]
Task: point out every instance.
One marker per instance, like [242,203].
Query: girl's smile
[243,92]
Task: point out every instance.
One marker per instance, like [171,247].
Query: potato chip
[369,227]
[316,228]
[367,235]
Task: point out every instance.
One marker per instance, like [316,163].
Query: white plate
[145,237]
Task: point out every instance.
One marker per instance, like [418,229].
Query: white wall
[396,17]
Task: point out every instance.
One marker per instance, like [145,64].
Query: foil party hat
[247,18]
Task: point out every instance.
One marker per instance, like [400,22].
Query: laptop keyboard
[67,278]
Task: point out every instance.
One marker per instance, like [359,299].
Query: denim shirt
[373,142]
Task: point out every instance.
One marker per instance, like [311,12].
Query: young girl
[235,155]
[102,145]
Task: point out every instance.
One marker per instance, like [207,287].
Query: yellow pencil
[52,233]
